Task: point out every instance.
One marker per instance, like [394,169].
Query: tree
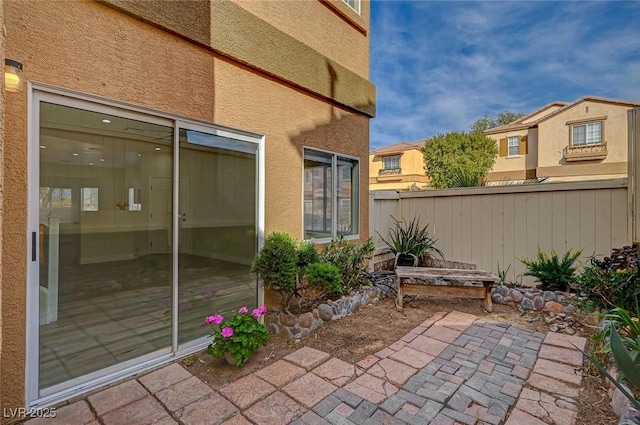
[487,121]
[449,156]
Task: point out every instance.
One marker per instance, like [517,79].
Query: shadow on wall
[346,132]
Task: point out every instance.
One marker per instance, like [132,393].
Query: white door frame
[39,92]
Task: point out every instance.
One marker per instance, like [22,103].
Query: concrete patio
[454,368]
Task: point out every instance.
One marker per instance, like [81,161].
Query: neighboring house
[582,140]
[399,166]
[151,149]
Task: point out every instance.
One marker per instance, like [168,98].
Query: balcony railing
[585,153]
[389,171]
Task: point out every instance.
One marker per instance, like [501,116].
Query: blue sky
[439,66]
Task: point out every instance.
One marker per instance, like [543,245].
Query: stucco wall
[554,136]
[93,48]
[321,27]
[512,166]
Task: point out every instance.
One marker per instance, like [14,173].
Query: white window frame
[353,4]
[513,142]
[589,127]
[390,158]
[42,92]
[355,200]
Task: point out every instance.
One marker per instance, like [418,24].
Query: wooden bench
[445,283]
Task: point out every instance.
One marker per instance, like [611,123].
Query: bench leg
[486,302]
[400,296]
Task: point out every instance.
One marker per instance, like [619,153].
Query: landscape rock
[538,303]
[554,307]
[289,319]
[497,298]
[526,304]
[325,312]
[305,320]
[517,296]
[549,296]
[502,290]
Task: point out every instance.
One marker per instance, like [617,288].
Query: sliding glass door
[217,228]
[143,226]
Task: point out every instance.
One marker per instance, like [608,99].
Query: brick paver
[118,396]
[247,390]
[307,357]
[454,368]
[75,413]
[280,373]
[309,389]
[276,409]
[336,371]
[213,409]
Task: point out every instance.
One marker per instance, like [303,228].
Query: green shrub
[350,258]
[410,238]
[629,327]
[277,264]
[307,254]
[554,274]
[324,276]
[610,288]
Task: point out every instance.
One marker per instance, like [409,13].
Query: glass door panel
[217,229]
[105,258]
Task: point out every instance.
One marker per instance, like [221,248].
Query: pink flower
[263,309]
[243,310]
[256,313]
[216,320]
[226,332]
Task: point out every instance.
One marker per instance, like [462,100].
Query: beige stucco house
[399,166]
[583,140]
[151,147]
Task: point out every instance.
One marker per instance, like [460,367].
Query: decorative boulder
[325,311]
[554,307]
[526,304]
[538,302]
[549,296]
[517,296]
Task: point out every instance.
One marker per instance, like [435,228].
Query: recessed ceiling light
[158,149]
[43,147]
[139,154]
[106,121]
[75,154]
[101,159]
[91,163]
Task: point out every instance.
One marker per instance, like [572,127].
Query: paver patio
[452,369]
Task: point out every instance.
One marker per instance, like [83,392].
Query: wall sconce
[12,75]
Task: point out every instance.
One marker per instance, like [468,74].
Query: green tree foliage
[487,121]
[448,156]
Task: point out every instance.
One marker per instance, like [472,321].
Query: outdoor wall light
[12,75]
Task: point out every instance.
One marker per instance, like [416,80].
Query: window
[89,201]
[514,145]
[391,162]
[587,134]
[331,197]
[354,4]
[55,197]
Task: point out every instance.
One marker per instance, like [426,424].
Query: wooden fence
[495,227]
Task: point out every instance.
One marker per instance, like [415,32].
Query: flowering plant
[239,336]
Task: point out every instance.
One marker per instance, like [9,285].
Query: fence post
[633,183]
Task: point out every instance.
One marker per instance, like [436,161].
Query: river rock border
[296,327]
